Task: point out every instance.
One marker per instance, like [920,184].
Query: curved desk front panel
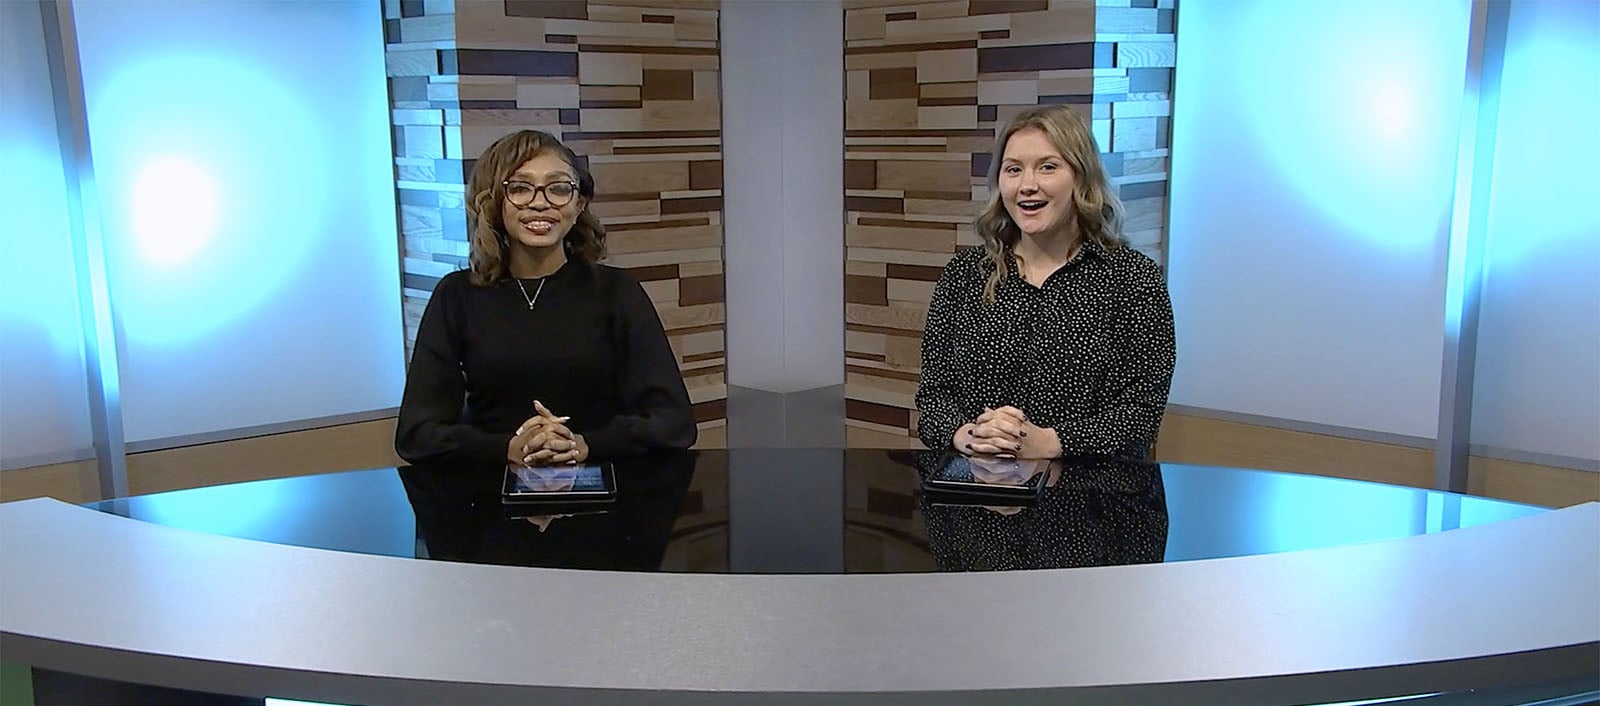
[1508,604]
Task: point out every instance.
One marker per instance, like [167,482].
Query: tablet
[538,484]
[987,478]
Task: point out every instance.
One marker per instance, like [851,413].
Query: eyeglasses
[557,193]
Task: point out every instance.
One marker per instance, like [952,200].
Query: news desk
[811,576]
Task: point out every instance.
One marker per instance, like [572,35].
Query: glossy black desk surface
[821,511]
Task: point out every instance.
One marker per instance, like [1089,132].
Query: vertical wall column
[1468,233]
[88,249]
[783,121]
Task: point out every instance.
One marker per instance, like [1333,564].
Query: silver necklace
[535,298]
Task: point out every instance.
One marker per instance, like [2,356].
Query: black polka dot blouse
[1090,353]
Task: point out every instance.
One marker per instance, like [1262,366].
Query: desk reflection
[459,518]
[1092,512]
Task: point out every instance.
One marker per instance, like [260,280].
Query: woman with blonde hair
[1054,338]
[538,354]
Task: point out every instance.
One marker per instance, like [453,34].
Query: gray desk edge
[1484,607]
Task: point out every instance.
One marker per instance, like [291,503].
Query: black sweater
[591,348]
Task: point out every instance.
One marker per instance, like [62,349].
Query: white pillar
[783,169]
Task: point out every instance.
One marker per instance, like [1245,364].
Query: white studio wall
[1312,171]
[243,159]
[1537,388]
[44,399]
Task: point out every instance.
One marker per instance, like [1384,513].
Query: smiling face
[1036,183]
[542,219]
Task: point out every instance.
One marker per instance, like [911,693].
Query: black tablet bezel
[608,476]
[1029,490]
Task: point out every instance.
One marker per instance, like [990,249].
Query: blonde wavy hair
[488,240]
[1095,206]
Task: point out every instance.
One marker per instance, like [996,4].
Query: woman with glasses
[538,354]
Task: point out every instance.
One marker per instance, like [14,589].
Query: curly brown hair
[1095,205]
[488,242]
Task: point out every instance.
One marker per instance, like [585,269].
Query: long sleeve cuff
[609,442]
[486,449]
[1087,437]
[937,430]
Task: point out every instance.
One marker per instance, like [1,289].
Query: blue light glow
[1537,387]
[175,210]
[246,185]
[303,512]
[44,412]
[1356,102]
[245,510]
[1282,512]
[1546,196]
[212,187]
[1286,512]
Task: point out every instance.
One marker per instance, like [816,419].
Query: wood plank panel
[633,83]
[971,66]
[1201,440]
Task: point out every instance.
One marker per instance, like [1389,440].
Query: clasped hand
[545,440]
[1006,432]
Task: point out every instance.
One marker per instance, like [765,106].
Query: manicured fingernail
[969,432]
[1024,432]
[969,447]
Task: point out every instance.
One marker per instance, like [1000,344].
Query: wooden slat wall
[632,85]
[429,173]
[927,85]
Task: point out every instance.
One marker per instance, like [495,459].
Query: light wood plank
[713,435]
[912,291]
[947,65]
[905,317]
[645,177]
[947,117]
[958,27]
[866,435]
[664,239]
[867,269]
[864,25]
[619,28]
[1205,441]
[610,69]
[924,176]
[880,114]
[1057,26]
[864,342]
[903,257]
[327,450]
[670,257]
[906,389]
[1530,483]
[1147,54]
[546,95]
[73,482]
